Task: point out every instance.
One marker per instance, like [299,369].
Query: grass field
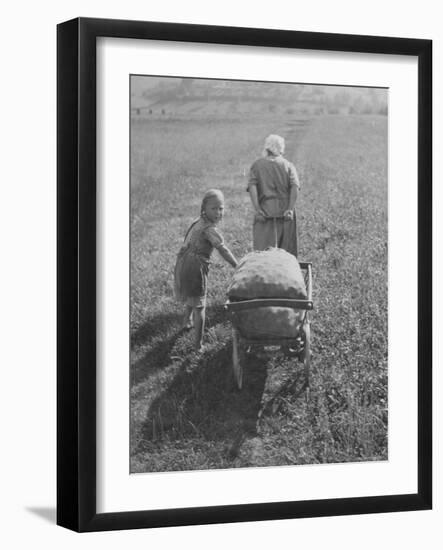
[185,411]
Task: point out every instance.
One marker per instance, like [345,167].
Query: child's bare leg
[199,325]
[187,318]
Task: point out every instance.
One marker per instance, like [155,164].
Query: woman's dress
[273,177]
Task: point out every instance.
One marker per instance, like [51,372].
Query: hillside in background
[188,97]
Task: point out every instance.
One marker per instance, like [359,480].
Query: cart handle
[268,302]
[308,267]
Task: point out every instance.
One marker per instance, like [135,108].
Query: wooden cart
[300,343]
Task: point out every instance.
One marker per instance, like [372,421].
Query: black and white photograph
[258,274]
[221,287]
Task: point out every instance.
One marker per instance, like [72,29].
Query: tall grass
[185,411]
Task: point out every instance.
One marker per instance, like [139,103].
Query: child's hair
[212,193]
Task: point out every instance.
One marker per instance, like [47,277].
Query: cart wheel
[306,354]
[236,359]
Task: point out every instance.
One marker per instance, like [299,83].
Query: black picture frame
[76,278]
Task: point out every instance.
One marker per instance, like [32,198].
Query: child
[191,268]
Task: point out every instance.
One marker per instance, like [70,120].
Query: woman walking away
[273,187]
[192,266]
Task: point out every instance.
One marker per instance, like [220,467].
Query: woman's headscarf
[274,144]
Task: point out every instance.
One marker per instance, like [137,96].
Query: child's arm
[227,255]
[216,239]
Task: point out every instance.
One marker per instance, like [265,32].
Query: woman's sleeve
[252,179]
[214,237]
[293,176]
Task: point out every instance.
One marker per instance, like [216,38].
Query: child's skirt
[191,277]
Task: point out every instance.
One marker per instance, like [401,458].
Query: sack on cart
[269,323]
[271,273]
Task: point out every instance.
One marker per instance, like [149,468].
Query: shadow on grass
[155,326]
[156,358]
[164,322]
[159,335]
[202,402]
